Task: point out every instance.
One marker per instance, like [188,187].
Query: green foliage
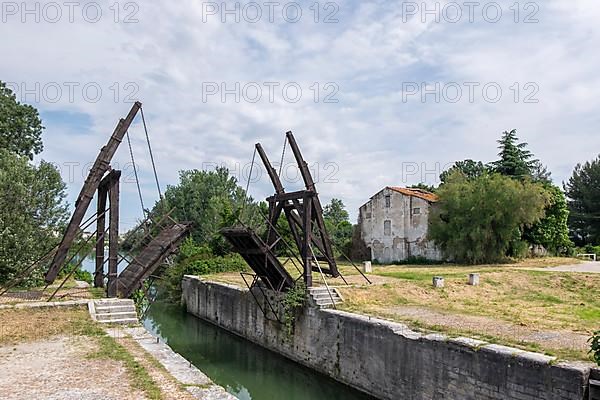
[595,347]
[552,231]
[32,213]
[517,162]
[195,259]
[589,249]
[468,168]
[515,159]
[481,220]
[110,349]
[583,192]
[423,186]
[141,301]
[79,274]
[20,125]
[294,300]
[338,225]
[211,200]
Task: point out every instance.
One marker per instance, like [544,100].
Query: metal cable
[282,156]
[248,185]
[137,181]
[151,155]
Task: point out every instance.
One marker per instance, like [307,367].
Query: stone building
[393,225]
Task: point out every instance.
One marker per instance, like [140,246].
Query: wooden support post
[100,228]
[113,235]
[306,253]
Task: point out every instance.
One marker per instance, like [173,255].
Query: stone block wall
[386,359]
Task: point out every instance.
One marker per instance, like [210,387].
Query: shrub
[589,249]
[196,259]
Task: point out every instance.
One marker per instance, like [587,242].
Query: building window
[387,228]
[416,211]
[388,201]
[368,215]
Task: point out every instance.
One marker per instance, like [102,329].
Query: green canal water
[244,369]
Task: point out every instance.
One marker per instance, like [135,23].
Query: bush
[78,275]
[196,259]
[595,347]
[589,249]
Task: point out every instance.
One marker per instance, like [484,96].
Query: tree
[583,192]
[423,186]
[481,220]
[32,213]
[540,173]
[515,160]
[552,231]
[20,125]
[338,224]
[335,212]
[210,200]
[469,168]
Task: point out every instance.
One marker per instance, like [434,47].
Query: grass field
[512,303]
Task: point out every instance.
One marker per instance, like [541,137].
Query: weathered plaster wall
[408,234]
[387,359]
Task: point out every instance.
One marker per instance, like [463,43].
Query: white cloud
[371,134]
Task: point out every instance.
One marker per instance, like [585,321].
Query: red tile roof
[420,193]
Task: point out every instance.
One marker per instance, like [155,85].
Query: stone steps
[114,311]
[322,298]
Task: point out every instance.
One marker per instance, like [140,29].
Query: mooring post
[113,235]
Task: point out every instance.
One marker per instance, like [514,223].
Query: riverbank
[58,352]
[387,359]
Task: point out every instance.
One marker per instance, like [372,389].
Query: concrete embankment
[386,359]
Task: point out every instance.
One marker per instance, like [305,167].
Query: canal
[244,369]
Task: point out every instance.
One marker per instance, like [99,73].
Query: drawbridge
[154,239]
[311,249]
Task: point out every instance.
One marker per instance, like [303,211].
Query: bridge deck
[259,257]
[150,258]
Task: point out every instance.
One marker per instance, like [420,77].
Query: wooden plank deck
[259,257]
[150,258]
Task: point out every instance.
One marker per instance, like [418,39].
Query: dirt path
[57,368]
[516,333]
[169,387]
[587,267]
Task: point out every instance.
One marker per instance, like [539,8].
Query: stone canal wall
[386,359]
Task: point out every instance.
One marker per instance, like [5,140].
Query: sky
[377,93]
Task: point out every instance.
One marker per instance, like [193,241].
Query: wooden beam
[270,170]
[306,256]
[289,196]
[100,227]
[113,235]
